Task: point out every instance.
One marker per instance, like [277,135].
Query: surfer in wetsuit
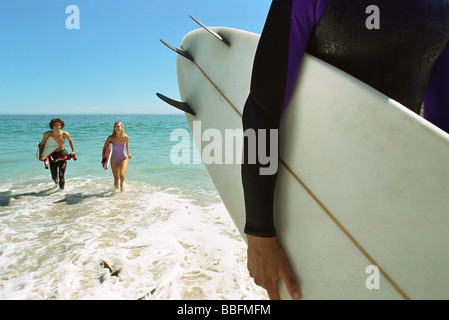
[407,59]
[58,159]
[120,154]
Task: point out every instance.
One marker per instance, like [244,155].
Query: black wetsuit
[58,165]
[407,59]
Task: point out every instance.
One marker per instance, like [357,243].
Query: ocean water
[167,237]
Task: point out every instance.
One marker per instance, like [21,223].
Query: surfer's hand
[267,262]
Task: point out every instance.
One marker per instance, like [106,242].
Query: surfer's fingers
[291,284]
[287,274]
[272,291]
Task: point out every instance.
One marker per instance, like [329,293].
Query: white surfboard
[363,182]
[50,146]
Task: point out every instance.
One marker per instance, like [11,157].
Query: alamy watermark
[217,148]
[73,20]
[373,21]
[373,280]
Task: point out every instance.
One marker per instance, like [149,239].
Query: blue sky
[114,63]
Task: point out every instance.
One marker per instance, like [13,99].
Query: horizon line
[90,114]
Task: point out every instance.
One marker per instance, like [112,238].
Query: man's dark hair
[53,121]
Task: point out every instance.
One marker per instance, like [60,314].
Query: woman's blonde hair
[122,134]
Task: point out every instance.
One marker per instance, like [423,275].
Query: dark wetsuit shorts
[58,165]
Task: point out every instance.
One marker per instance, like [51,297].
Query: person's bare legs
[115,171]
[123,166]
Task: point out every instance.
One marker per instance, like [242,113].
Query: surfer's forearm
[272,82]
[276,64]
[258,194]
[69,138]
[72,145]
[258,187]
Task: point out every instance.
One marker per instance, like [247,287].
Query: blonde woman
[120,154]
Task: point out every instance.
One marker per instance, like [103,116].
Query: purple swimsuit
[118,152]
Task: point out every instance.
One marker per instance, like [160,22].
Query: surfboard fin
[177,104]
[183,53]
[215,34]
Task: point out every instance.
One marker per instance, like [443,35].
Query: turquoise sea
[167,237]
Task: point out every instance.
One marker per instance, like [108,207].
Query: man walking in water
[58,159]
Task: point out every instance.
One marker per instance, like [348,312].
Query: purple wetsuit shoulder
[304,16]
[436,101]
